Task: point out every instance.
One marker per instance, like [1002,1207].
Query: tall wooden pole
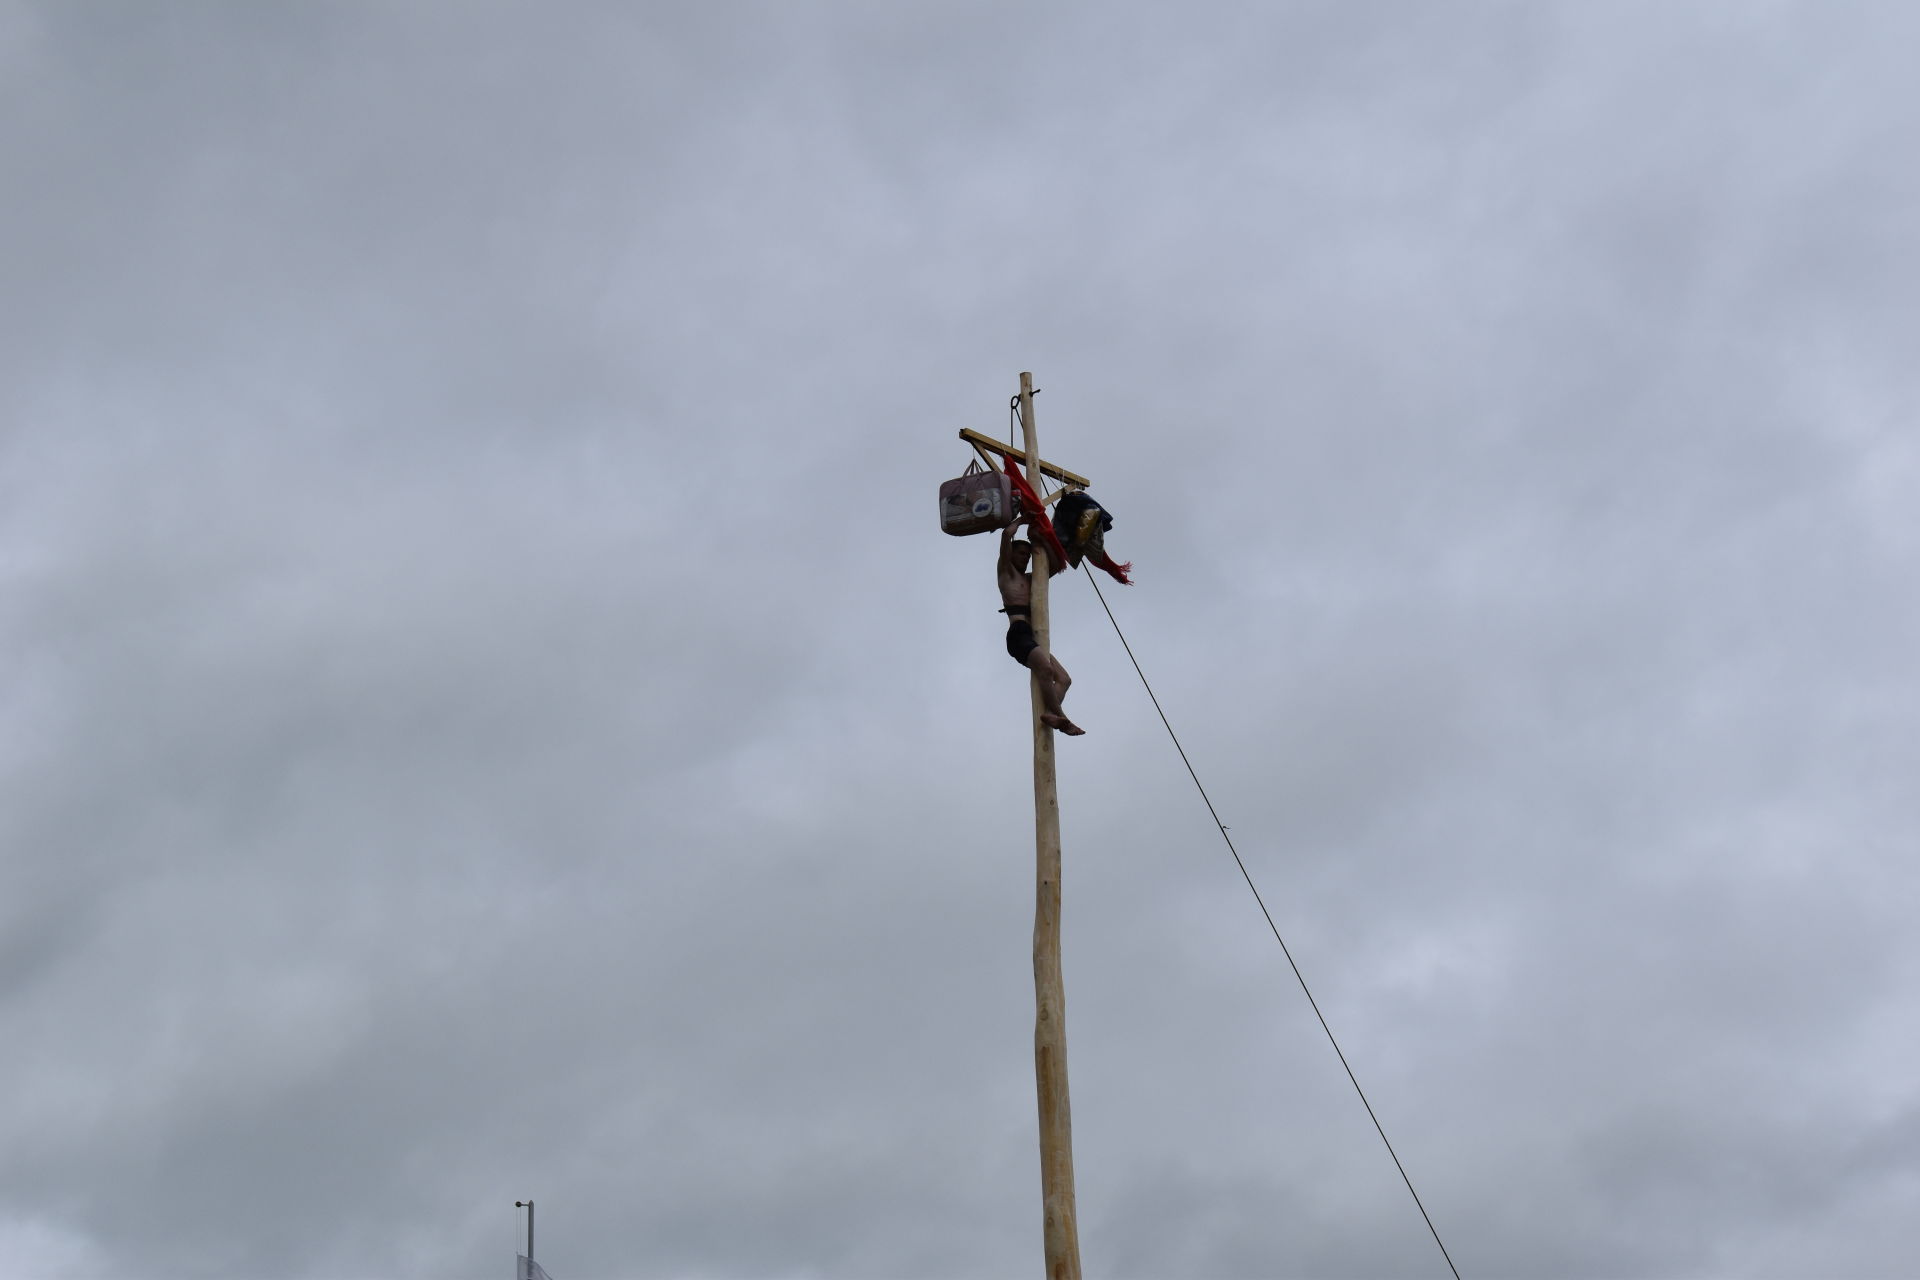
[1050,1001]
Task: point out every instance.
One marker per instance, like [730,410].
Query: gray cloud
[489,714]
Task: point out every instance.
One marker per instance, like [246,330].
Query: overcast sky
[488,711]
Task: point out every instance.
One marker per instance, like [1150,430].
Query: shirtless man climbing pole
[1016,594]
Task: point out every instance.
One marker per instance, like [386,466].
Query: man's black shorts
[1020,640]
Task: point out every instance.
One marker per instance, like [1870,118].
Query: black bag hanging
[1083,525]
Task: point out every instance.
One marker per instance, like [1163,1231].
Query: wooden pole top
[1061,474]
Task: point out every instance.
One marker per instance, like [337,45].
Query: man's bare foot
[1061,724]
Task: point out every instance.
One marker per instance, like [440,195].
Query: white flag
[529,1269]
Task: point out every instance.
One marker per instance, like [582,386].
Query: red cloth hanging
[1118,572]
[1056,553]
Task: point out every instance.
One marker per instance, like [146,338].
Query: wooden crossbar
[1061,474]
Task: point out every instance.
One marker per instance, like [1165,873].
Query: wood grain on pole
[1050,1012]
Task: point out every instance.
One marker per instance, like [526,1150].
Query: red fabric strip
[1118,572]
[1055,552]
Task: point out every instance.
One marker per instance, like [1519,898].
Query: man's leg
[1054,682]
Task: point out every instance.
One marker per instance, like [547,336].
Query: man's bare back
[1016,588]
